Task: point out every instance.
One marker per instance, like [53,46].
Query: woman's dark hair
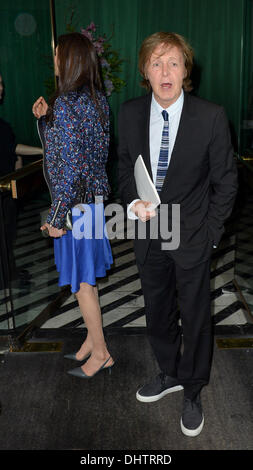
[78,68]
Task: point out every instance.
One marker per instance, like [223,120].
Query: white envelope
[144,184]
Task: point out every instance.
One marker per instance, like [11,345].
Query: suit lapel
[143,130]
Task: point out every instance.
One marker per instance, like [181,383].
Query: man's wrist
[131,213]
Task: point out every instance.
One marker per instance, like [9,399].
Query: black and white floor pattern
[121,297]
[244,252]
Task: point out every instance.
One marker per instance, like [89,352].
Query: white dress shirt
[155,135]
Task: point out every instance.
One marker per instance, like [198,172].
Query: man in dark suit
[185,143]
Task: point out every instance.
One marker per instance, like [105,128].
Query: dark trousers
[169,291]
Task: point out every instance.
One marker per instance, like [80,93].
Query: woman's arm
[70,152]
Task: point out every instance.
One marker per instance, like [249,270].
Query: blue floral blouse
[75,145]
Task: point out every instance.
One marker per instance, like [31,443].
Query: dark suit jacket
[201,176]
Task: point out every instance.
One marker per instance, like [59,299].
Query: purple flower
[101,39]
[108,86]
[104,62]
[87,34]
[91,27]
[102,47]
[99,48]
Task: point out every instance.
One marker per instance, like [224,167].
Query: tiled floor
[244,252]
[121,297]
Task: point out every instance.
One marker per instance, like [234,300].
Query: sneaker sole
[158,397]
[192,432]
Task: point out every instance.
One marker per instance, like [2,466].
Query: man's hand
[143,210]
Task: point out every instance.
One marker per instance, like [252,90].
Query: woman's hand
[53,231]
[40,107]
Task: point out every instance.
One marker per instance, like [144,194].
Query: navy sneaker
[192,420]
[158,388]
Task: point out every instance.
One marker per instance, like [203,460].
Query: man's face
[165,71]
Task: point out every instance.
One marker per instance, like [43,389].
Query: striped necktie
[164,153]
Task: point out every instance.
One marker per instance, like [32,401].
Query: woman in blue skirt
[74,128]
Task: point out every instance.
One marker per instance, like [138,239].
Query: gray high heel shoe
[78,371]
[74,358]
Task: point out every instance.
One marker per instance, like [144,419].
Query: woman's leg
[86,347]
[88,302]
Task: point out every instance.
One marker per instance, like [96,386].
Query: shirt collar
[172,109]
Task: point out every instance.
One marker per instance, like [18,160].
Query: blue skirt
[84,253]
